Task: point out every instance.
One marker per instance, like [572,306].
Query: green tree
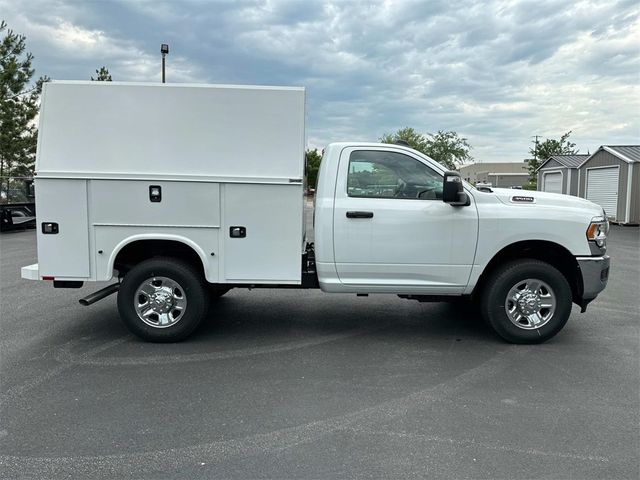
[445,147]
[448,148]
[541,151]
[312,165]
[19,102]
[416,140]
[103,75]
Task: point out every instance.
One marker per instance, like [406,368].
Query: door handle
[359,214]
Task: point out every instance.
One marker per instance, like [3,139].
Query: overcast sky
[497,72]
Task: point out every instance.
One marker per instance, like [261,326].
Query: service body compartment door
[123,211]
[392,229]
[262,233]
[64,254]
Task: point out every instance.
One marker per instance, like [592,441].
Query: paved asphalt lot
[299,384]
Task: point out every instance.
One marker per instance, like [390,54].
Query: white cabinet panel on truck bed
[226,132]
[122,213]
[65,254]
[219,157]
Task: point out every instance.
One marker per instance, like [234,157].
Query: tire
[466,306]
[163,300]
[217,291]
[526,302]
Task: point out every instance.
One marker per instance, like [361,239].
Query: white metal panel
[100,129]
[552,182]
[272,216]
[65,254]
[412,245]
[122,202]
[111,239]
[560,219]
[602,188]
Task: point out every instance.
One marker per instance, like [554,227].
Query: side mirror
[453,191]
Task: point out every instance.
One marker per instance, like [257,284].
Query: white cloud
[62,40]
[496,71]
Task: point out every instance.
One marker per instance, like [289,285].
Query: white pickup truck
[182,192]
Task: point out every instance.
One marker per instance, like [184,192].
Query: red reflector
[48,278]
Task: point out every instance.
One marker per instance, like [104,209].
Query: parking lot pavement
[299,384]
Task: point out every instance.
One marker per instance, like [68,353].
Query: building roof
[569,161]
[504,167]
[628,153]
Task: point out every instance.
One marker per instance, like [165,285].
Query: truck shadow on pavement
[386,316]
[242,326]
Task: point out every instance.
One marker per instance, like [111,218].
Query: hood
[510,196]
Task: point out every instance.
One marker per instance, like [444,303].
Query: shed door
[602,188]
[553,182]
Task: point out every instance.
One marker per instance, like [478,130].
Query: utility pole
[164,50]
[535,151]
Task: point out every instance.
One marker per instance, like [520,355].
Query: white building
[498,174]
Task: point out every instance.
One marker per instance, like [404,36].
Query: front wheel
[217,290]
[527,301]
[162,300]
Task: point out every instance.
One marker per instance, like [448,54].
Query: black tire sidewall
[216,291]
[493,302]
[194,289]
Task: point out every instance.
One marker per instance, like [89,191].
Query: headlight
[598,230]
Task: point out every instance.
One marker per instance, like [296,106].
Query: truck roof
[146,130]
[341,145]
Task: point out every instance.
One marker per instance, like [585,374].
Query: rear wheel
[162,300]
[527,301]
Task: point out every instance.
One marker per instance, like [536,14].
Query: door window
[380,174]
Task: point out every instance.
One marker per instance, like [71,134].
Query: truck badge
[522,199]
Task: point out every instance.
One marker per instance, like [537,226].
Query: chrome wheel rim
[160,302]
[530,304]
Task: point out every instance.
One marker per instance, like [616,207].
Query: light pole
[164,50]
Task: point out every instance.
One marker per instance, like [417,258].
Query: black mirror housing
[453,190]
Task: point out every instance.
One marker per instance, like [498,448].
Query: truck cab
[382,225]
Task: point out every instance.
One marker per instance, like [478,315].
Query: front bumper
[595,275]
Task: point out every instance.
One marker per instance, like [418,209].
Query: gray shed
[559,174]
[610,177]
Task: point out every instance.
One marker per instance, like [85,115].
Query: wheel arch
[543,250]
[137,248]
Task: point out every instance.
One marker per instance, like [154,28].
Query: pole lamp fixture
[164,50]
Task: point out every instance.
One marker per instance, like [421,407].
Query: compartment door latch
[155,193]
[237,232]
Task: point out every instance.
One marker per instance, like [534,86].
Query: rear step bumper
[30,272]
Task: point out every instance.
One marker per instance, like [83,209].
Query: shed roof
[626,153]
[569,161]
[629,153]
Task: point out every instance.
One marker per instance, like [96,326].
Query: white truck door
[392,229]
